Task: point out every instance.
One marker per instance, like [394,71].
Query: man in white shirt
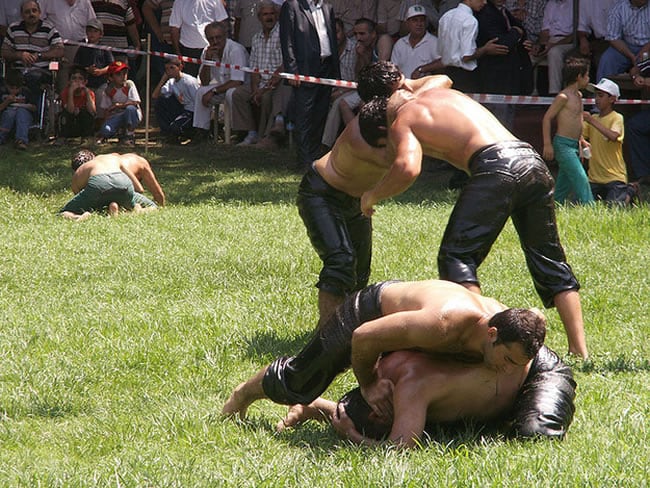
[457,33]
[416,54]
[218,82]
[188,21]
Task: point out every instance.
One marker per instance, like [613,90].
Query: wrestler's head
[365,420]
[80,158]
[526,327]
[379,79]
[372,122]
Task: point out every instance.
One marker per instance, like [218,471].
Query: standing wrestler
[436,317]
[328,202]
[507,179]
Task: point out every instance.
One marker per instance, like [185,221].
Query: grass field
[121,338]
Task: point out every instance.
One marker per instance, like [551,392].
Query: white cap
[415,11]
[608,86]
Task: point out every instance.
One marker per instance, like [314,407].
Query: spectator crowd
[486,46]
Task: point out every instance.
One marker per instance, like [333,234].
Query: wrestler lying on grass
[531,400]
[436,317]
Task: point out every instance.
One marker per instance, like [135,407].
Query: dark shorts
[303,378]
[508,179]
[338,231]
[100,191]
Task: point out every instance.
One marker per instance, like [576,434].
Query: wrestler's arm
[151,183]
[404,170]
[419,329]
[320,409]
[137,186]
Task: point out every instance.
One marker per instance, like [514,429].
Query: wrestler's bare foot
[239,402]
[301,413]
[76,217]
[113,209]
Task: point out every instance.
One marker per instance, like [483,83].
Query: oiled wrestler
[328,201]
[529,400]
[435,317]
[507,179]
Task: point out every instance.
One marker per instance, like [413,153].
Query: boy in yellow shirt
[605,131]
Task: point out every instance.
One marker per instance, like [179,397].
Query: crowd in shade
[100,90]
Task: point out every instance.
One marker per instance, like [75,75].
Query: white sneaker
[248,140]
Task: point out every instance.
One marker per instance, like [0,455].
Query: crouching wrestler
[434,317]
[530,401]
[109,181]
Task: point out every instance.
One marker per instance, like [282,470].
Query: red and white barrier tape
[482,98]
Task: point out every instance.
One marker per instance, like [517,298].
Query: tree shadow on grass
[198,174]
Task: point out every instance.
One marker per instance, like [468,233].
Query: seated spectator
[121,104]
[16,111]
[32,44]
[94,60]
[416,54]
[637,130]
[628,33]
[216,81]
[555,40]
[77,118]
[605,132]
[347,62]
[174,99]
[592,30]
[259,107]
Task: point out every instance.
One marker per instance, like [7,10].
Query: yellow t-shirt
[606,163]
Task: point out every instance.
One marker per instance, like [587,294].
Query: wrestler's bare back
[447,123]
[448,299]
[101,164]
[353,166]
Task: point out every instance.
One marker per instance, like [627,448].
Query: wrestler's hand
[367,204]
[298,414]
[379,395]
[344,426]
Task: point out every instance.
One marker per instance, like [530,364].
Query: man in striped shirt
[32,44]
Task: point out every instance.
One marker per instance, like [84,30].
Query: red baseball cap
[116,67]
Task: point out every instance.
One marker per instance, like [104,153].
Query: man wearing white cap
[416,54]
[605,132]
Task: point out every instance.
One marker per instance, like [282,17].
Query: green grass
[120,339]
